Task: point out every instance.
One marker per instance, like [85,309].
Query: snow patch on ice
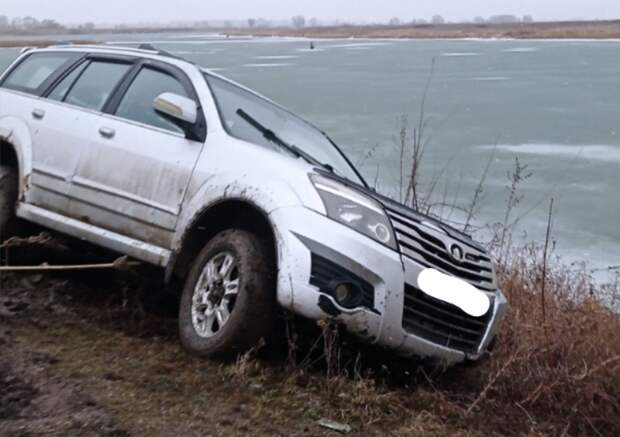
[491,78]
[266,65]
[274,57]
[458,54]
[596,152]
[520,50]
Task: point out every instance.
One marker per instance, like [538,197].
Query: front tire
[8,201]
[229,299]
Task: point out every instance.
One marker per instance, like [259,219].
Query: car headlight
[352,208]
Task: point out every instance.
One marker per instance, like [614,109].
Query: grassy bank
[10,43]
[100,353]
[560,30]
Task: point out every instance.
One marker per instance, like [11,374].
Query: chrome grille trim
[429,247]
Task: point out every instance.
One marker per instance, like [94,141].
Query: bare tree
[251,22]
[438,19]
[30,23]
[299,21]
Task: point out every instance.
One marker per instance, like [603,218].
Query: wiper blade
[271,136]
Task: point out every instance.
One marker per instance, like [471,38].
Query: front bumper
[302,232]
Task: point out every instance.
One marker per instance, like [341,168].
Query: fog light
[343,293]
[347,294]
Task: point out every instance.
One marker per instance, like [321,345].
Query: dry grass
[595,30]
[553,372]
[18,43]
[558,362]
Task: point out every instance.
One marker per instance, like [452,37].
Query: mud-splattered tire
[8,200]
[229,299]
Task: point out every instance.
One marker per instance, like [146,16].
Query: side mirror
[178,109]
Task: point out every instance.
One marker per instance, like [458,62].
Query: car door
[132,177]
[55,147]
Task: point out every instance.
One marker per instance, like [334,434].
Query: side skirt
[110,240]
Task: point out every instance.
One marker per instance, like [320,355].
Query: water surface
[553,104]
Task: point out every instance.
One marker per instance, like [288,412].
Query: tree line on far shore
[29,24]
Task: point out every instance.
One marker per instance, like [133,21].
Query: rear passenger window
[32,73]
[137,104]
[60,91]
[96,84]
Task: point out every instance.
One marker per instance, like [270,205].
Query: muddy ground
[96,353]
[75,363]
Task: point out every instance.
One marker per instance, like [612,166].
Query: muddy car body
[151,156]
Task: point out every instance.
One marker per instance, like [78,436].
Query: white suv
[151,156]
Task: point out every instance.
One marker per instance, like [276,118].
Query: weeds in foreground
[550,374]
[555,372]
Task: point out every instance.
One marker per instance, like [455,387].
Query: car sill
[93,234]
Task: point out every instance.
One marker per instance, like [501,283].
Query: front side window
[32,73]
[96,84]
[293,130]
[137,104]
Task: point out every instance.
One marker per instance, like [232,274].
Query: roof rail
[144,48]
[105,47]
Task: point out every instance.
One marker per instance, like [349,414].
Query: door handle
[38,114]
[107,132]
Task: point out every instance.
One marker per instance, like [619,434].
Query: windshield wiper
[271,136]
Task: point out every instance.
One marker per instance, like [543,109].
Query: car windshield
[234,102]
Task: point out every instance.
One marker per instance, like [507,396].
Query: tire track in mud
[35,399]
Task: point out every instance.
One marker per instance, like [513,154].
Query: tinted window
[35,70]
[96,84]
[60,91]
[137,104]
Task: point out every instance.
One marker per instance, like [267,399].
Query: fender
[261,189]
[265,193]
[16,132]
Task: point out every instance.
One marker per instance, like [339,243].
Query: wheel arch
[16,149]
[228,213]
[8,154]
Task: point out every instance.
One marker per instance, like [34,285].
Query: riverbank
[593,30]
[17,43]
[98,354]
[560,30]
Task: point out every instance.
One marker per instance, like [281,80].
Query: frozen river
[554,105]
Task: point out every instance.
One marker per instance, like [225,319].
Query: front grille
[324,272]
[442,323]
[430,248]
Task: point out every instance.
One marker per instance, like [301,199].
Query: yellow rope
[119,264]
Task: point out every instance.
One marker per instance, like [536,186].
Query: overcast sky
[131,11]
